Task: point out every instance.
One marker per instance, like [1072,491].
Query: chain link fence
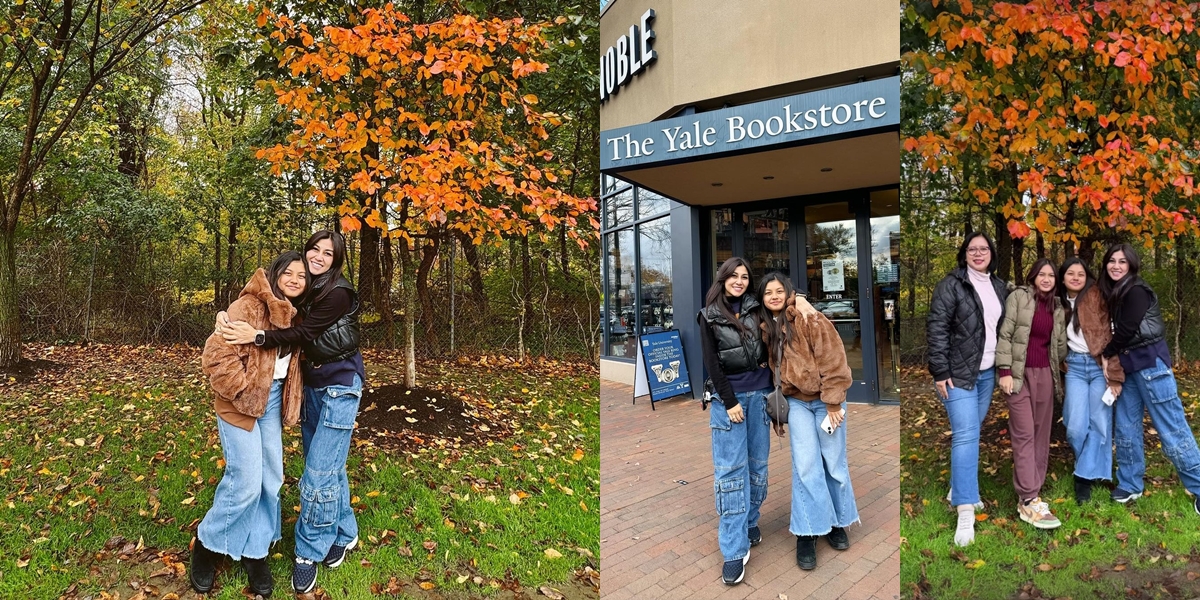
[69,296]
[1173,271]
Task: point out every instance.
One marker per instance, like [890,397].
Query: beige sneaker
[1037,513]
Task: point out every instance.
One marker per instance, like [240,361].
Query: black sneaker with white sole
[337,554]
[304,575]
[755,535]
[1121,496]
[735,570]
[1196,504]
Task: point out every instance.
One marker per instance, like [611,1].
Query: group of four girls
[753,342]
[1109,335]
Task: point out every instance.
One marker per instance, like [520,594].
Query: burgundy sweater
[1038,354]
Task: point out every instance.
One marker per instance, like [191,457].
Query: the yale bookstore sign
[848,109]
[627,58]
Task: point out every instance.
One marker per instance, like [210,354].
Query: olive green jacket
[1012,341]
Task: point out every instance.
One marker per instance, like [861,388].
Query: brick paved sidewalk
[658,539]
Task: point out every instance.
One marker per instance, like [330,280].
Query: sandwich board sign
[661,367]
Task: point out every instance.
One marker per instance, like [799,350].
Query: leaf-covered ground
[109,457]
[1147,549]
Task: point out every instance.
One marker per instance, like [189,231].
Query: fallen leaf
[1045,567]
[515,499]
[188,501]
[551,593]
[552,553]
[427,585]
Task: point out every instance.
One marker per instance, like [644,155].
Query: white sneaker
[978,505]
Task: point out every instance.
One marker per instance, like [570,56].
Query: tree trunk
[10,307]
[1018,260]
[526,303]
[429,252]
[1004,248]
[231,249]
[410,322]
[368,266]
[475,274]
[385,290]
[1040,244]
[217,259]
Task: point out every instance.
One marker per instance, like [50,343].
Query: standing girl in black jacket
[735,358]
[333,382]
[1139,342]
[961,330]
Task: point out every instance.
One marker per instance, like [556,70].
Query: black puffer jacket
[340,341]
[1133,328]
[738,352]
[955,330]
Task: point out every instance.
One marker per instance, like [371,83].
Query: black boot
[1083,490]
[261,581]
[806,551]
[204,568]
[838,539]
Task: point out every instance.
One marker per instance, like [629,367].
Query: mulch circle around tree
[396,409]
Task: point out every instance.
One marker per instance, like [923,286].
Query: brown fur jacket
[1096,325]
[241,374]
[814,361]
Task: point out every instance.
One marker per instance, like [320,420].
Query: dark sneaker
[1121,496]
[337,554]
[735,570]
[304,575]
[204,568]
[1083,490]
[1196,504]
[838,539]
[259,574]
[755,535]
[806,552]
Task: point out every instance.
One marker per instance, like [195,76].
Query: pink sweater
[991,314]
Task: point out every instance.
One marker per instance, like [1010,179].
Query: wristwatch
[260,338]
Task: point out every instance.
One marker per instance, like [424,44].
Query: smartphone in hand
[827,427]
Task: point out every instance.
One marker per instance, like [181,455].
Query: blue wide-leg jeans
[966,410]
[740,452]
[1153,390]
[822,497]
[326,516]
[1089,421]
[244,519]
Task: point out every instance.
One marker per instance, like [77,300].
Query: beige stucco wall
[715,51]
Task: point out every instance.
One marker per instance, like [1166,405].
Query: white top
[281,365]
[1075,341]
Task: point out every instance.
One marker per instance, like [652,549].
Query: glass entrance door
[831,260]
[765,235]
[885,287]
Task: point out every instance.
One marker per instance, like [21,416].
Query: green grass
[122,442]
[1147,549]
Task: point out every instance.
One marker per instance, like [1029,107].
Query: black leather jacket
[955,331]
[340,341]
[737,352]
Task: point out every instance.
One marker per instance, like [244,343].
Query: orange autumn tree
[416,130]
[427,119]
[1071,120]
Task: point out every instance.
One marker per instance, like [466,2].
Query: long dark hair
[962,251]
[1089,280]
[1114,291]
[322,284]
[276,269]
[1043,298]
[776,325]
[716,291]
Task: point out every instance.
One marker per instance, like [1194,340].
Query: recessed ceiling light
[769,177]
[826,169]
[717,184]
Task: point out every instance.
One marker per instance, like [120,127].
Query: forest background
[140,188]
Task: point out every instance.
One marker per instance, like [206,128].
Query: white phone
[1108,397]
[826,426]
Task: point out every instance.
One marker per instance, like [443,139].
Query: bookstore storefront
[789,159]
